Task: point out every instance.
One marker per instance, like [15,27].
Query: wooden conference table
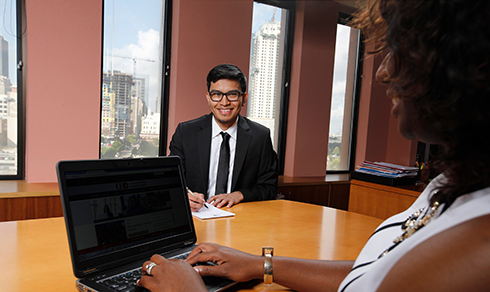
[34,254]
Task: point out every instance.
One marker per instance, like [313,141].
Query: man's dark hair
[227,71]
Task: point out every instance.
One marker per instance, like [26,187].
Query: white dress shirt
[216,140]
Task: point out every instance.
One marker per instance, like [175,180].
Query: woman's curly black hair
[441,51]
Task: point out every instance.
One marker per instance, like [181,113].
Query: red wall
[205,34]
[378,138]
[63,66]
[311,88]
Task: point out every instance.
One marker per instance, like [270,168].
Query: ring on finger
[149,267]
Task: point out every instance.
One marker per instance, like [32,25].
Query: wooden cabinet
[331,191]
[23,208]
[21,201]
[381,201]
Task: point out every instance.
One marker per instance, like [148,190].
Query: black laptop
[119,212]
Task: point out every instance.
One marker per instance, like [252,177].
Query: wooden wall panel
[340,196]
[335,195]
[24,208]
[380,201]
[318,195]
[21,201]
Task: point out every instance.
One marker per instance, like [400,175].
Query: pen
[196,197]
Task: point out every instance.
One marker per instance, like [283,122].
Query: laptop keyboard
[126,282]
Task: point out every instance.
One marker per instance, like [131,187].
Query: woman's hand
[230,263]
[170,275]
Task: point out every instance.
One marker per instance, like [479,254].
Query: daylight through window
[266,67]
[10,97]
[346,63]
[132,78]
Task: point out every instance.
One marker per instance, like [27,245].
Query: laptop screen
[116,211]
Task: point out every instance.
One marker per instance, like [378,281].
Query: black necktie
[223,165]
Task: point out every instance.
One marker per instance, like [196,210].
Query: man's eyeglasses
[217,96]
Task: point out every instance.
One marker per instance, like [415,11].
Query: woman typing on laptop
[437,66]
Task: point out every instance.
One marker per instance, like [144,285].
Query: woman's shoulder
[456,259]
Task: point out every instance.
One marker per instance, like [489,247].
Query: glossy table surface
[34,254]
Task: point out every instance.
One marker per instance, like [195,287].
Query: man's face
[225,111]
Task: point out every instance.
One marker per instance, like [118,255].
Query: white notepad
[211,212]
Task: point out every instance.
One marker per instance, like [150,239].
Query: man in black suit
[253,161]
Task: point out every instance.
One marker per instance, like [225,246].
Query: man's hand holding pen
[196,200]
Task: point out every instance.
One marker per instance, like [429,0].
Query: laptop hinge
[89,271]
[188,242]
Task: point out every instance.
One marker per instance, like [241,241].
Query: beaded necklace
[414,222]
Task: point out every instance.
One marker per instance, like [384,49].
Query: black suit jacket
[255,169]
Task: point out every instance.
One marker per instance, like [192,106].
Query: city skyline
[139,25]
[132,42]
[132,31]
[8,90]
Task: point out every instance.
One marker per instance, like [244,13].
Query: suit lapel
[243,140]
[204,140]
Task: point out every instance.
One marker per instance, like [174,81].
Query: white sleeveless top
[368,271]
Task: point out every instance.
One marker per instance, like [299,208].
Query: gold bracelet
[267,253]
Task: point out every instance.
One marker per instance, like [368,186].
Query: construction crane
[134,61]
[274,14]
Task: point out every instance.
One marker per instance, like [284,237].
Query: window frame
[165,89]
[20,29]
[344,19]
[286,77]
[165,81]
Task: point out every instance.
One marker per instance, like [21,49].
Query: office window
[134,77]
[269,70]
[343,99]
[11,114]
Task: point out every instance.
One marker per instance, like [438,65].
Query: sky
[339,79]
[262,14]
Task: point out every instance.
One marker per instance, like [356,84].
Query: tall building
[263,77]
[140,88]
[5,85]
[150,127]
[8,123]
[158,105]
[4,57]
[107,115]
[116,94]
[138,104]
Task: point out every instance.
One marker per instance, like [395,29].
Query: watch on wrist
[267,253]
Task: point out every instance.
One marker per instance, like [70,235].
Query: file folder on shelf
[389,181]
[385,173]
